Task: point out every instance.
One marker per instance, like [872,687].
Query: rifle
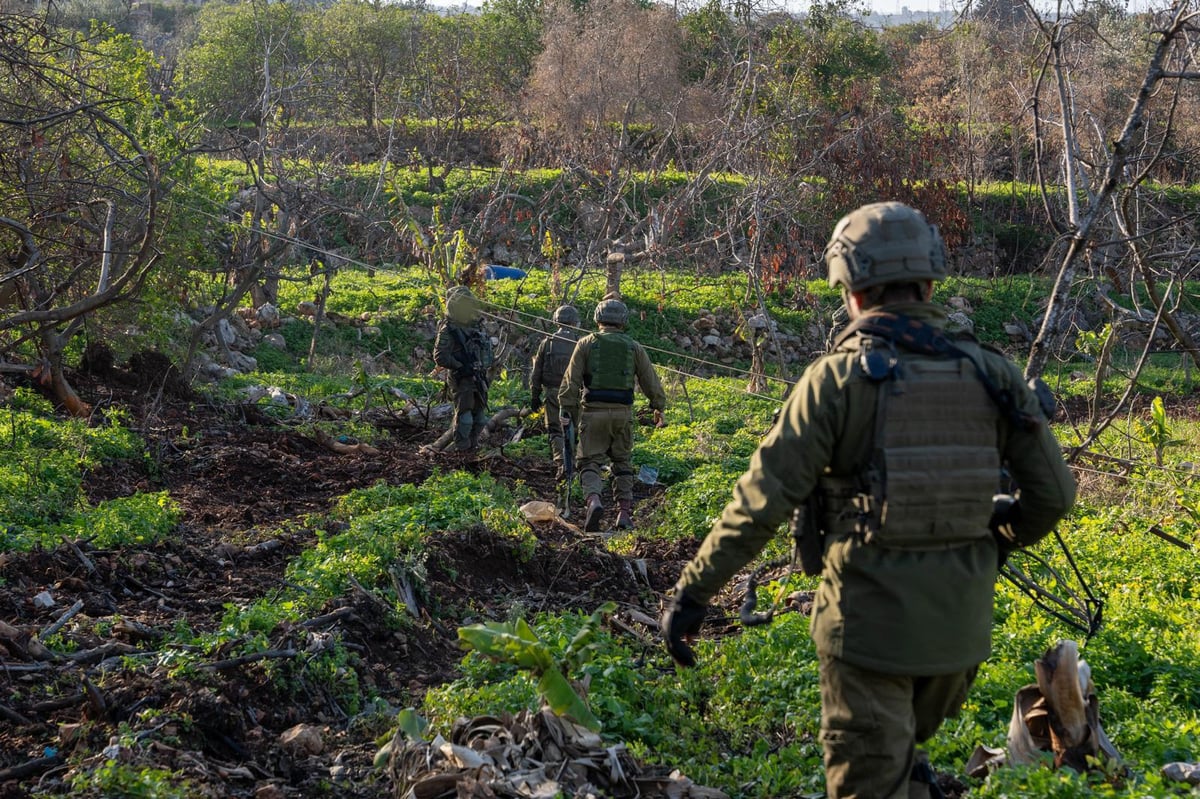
[568,466]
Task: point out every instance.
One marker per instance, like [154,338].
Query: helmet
[462,306]
[611,312]
[884,243]
[566,315]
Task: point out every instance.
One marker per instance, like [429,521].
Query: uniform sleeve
[1034,457]
[539,365]
[783,472]
[648,379]
[572,383]
[443,349]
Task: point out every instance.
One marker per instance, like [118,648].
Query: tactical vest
[556,356]
[474,343]
[934,464]
[610,370]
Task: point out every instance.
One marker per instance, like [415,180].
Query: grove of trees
[718,136]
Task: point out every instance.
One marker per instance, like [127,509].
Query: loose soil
[250,493]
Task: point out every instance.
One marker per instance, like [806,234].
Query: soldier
[897,437]
[600,381]
[549,366]
[464,349]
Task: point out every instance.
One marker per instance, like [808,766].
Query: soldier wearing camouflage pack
[465,351]
[549,365]
[597,395]
[897,436]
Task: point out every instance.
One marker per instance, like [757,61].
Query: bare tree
[79,214]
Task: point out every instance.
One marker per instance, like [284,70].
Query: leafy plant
[516,643]
[1156,431]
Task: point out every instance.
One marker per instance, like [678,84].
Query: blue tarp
[497,272]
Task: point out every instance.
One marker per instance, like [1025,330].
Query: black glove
[682,617]
[1006,512]
[464,372]
[535,403]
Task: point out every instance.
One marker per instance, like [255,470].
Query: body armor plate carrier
[935,465]
[610,373]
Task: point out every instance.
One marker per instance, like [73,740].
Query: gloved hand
[535,404]
[565,421]
[1006,512]
[659,421]
[464,372]
[682,617]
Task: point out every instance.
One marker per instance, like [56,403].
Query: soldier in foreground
[464,349]
[895,440]
[597,395]
[549,365]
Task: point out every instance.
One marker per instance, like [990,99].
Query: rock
[267,315]
[960,322]
[1182,772]
[1016,331]
[711,341]
[304,739]
[306,309]
[226,332]
[43,601]
[758,322]
[241,362]
[275,340]
[278,396]
[215,371]
[269,791]
[960,304]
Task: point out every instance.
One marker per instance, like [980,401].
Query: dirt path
[247,491]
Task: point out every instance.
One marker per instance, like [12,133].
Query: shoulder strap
[928,340]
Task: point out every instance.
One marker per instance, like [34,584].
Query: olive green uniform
[605,420]
[549,365]
[899,628]
[466,352]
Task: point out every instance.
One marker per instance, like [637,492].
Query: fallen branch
[328,618]
[90,656]
[14,717]
[50,705]
[30,767]
[84,559]
[241,660]
[58,623]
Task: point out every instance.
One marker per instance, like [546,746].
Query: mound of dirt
[110,690]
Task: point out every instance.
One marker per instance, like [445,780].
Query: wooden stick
[13,716]
[30,767]
[241,660]
[57,625]
[84,559]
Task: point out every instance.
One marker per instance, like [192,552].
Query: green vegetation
[42,461]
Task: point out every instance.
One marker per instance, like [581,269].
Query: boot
[922,782]
[625,517]
[594,511]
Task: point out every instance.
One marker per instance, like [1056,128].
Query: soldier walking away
[597,396]
[896,438]
[549,365]
[464,349]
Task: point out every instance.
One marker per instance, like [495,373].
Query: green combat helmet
[462,306]
[566,315]
[884,243]
[611,312]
